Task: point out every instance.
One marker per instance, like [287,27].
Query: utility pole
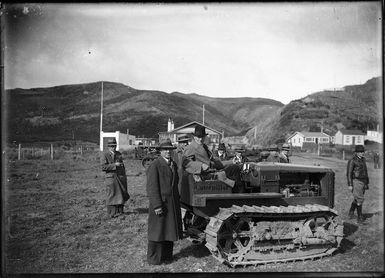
[101,119]
[203,122]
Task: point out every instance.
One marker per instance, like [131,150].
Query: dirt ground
[55,222]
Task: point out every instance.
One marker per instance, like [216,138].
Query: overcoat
[283,158]
[178,157]
[356,169]
[162,191]
[273,157]
[194,156]
[115,179]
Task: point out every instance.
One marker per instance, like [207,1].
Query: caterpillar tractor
[285,214]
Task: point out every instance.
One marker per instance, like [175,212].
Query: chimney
[169,124]
[172,124]
[128,131]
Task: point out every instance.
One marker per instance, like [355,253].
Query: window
[309,139]
[358,139]
[347,139]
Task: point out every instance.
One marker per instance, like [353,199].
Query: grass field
[55,222]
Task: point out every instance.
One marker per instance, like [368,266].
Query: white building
[299,137]
[348,137]
[214,136]
[123,141]
[374,135]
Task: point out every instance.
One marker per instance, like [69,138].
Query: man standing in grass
[164,212]
[115,180]
[358,181]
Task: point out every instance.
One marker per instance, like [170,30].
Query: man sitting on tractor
[199,161]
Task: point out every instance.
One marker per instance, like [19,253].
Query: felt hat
[222,147]
[111,142]
[273,147]
[239,150]
[359,149]
[286,147]
[183,139]
[165,145]
[200,131]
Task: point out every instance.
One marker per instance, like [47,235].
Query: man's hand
[159,211]
[351,188]
[117,163]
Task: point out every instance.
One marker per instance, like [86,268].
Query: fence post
[51,151]
[81,149]
[18,153]
[343,154]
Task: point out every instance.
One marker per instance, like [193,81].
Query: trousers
[358,191]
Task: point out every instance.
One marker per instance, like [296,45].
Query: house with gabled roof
[348,137]
[300,137]
[214,136]
[374,135]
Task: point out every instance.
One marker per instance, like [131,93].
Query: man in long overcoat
[164,212]
[358,181]
[115,180]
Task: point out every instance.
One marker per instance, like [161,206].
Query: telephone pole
[101,119]
[203,122]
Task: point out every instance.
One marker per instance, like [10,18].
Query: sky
[281,51]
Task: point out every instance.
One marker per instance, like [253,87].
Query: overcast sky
[281,51]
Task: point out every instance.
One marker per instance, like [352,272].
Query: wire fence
[48,151]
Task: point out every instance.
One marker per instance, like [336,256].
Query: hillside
[353,107]
[73,111]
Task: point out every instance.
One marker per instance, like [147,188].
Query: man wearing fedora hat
[221,153]
[284,154]
[358,181]
[164,212]
[199,161]
[115,179]
[274,155]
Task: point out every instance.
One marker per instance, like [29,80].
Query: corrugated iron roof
[351,132]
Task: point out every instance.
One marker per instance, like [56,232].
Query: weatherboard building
[214,137]
[301,138]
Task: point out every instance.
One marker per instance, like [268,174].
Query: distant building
[214,136]
[145,141]
[300,137]
[374,135]
[124,141]
[236,142]
[346,137]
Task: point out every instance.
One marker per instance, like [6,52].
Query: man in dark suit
[164,212]
[221,153]
[358,181]
[115,179]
